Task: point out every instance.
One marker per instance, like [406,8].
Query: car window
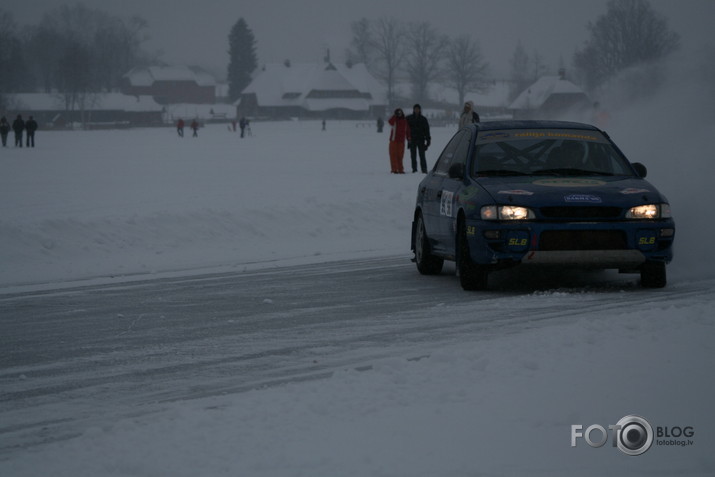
[450,152]
[547,152]
[460,155]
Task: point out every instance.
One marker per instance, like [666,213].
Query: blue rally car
[505,193]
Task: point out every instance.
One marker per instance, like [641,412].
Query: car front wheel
[427,264]
[653,274]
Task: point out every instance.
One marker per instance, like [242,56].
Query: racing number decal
[445,206]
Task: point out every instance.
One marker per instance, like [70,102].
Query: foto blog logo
[633,435]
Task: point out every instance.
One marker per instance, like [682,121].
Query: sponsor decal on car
[573,182]
[632,190]
[516,192]
[591,199]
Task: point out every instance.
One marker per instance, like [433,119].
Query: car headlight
[506,212]
[649,211]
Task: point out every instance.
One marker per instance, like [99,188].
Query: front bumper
[616,244]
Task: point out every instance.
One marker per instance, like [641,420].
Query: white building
[327,90]
[550,97]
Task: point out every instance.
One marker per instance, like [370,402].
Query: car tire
[653,274]
[427,264]
[472,276]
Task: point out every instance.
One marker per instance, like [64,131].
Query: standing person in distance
[468,115]
[420,138]
[4,130]
[399,132]
[30,127]
[242,123]
[180,127]
[195,128]
[18,125]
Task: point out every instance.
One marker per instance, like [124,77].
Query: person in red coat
[399,133]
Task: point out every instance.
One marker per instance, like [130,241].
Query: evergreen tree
[243,61]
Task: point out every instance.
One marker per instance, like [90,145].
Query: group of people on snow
[19,126]
[243,123]
[414,129]
[180,127]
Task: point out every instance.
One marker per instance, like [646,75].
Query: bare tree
[629,33]
[116,49]
[362,45]
[520,76]
[425,50]
[465,66]
[538,67]
[11,63]
[389,53]
[109,45]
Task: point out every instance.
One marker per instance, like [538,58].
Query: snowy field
[111,206]
[121,203]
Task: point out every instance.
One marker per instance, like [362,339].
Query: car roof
[532,124]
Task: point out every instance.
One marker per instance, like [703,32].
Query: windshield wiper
[501,172]
[567,171]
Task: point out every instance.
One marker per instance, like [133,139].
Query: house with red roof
[171,84]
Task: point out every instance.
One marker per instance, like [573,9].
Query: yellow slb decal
[517,242]
[646,241]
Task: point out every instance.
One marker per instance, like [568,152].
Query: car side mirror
[640,169]
[456,171]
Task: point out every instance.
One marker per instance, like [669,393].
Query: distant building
[171,84]
[327,90]
[550,97]
[97,110]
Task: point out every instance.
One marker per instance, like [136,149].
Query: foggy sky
[196,32]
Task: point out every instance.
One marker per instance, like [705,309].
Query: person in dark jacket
[30,127]
[420,138]
[4,130]
[18,125]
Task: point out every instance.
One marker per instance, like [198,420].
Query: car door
[450,188]
[437,205]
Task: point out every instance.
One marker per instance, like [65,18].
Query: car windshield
[547,152]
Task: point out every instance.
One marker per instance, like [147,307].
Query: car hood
[559,191]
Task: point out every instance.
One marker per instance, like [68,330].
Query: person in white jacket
[468,115]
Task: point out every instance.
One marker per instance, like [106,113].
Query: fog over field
[190,32]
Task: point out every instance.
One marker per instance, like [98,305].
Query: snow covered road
[135,351]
